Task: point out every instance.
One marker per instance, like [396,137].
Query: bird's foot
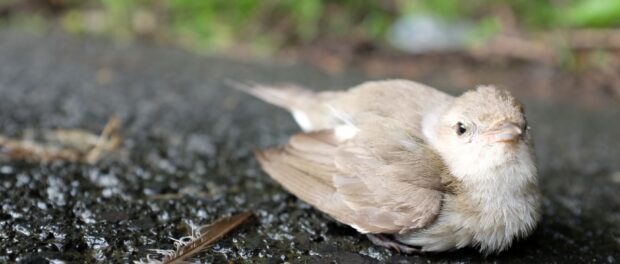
[387,242]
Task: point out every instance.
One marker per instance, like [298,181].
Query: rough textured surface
[187,159]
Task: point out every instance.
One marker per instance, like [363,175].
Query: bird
[413,168]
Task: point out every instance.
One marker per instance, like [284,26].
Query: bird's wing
[388,184]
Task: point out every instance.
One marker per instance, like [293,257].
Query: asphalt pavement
[187,160]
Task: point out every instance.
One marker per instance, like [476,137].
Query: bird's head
[483,129]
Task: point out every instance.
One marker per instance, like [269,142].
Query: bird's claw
[384,241]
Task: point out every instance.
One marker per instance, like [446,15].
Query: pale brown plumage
[371,181]
[351,184]
[384,157]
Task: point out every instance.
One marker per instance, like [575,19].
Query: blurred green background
[266,26]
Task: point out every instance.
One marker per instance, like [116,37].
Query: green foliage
[449,9]
[534,15]
[120,13]
[307,13]
[485,30]
[593,13]
[217,23]
[200,23]
[207,25]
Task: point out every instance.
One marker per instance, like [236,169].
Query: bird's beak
[505,132]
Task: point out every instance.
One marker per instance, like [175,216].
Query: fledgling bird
[414,168]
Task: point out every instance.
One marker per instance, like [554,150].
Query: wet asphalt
[187,160]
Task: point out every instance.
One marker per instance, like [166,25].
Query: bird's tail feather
[289,97]
[308,108]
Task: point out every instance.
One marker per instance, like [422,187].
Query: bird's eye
[460,128]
